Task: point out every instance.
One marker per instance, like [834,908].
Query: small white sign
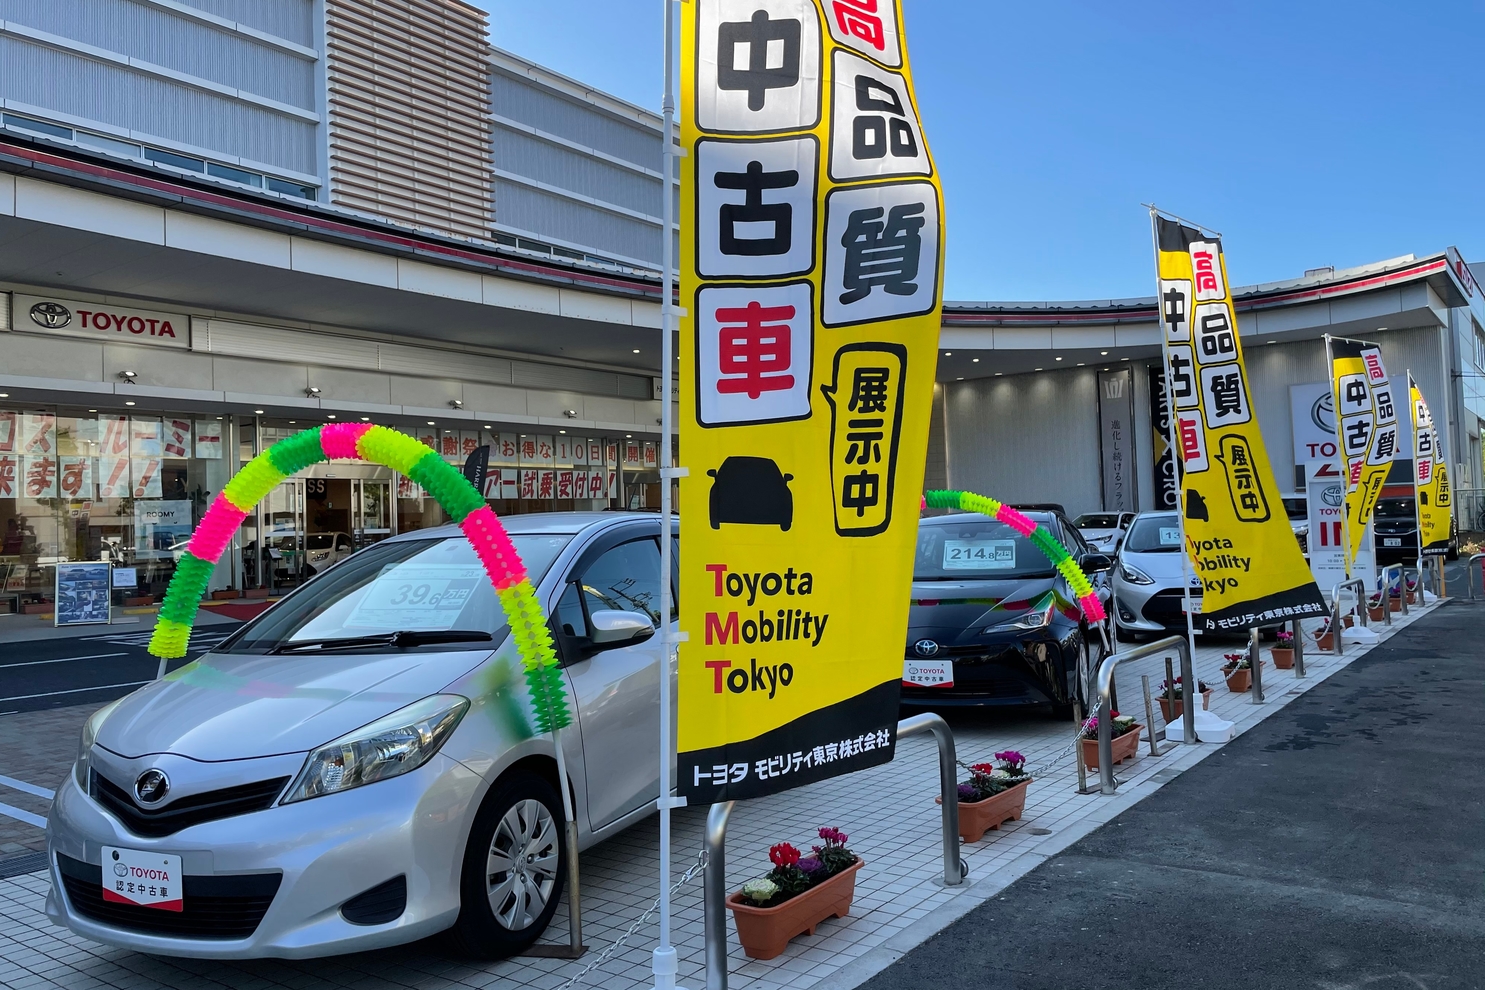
[979,555]
[928,673]
[126,577]
[146,879]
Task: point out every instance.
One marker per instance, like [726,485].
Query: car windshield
[1153,534]
[1098,520]
[1296,508]
[1395,508]
[319,541]
[972,547]
[408,586]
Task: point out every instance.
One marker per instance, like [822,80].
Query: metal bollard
[1299,648]
[1255,662]
[1104,689]
[1469,572]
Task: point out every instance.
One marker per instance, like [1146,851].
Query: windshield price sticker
[1170,536]
[417,597]
[145,879]
[979,555]
[928,673]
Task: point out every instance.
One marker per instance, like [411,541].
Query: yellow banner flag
[1237,533]
[811,265]
[1430,478]
[1366,430]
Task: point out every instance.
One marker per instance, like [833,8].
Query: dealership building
[217,232]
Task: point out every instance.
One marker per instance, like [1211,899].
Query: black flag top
[476,466]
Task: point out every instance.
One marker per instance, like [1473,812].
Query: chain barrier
[603,956]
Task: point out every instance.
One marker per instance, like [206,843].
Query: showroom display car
[357,767]
[1104,530]
[1147,576]
[992,622]
[1395,531]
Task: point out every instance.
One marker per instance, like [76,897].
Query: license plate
[928,673]
[1392,541]
[146,879]
[1196,606]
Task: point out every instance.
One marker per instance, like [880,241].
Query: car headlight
[396,744]
[1134,575]
[85,744]
[1029,621]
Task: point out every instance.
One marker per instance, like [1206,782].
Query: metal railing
[1336,627]
[1299,647]
[1255,663]
[1402,590]
[1431,570]
[1104,687]
[714,896]
[1469,572]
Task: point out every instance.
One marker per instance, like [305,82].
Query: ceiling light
[329,417]
[311,392]
[256,412]
[1124,359]
[128,376]
[367,419]
[1273,341]
[1080,364]
[561,431]
[636,350]
[629,436]
[457,403]
[1038,369]
[948,353]
[1379,329]
[1057,359]
[1105,369]
[431,423]
[999,373]
[570,413]
[487,426]
[293,422]
[94,410]
[6,395]
[1103,353]
[975,360]
[130,402]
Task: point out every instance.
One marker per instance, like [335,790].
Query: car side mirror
[610,627]
[1092,562]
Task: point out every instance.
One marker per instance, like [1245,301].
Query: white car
[323,549]
[1104,530]
[1148,596]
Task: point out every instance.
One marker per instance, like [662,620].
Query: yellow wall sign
[811,266]
[1237,532]
[1430,478]
[1366,430]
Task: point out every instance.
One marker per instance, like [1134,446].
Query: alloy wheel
[521,870]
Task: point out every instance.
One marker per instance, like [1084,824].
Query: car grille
[1166,607]
[155,823]
[219,907]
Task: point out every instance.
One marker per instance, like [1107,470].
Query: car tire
[503,913]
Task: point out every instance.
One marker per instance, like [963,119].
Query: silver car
[1104,530]
[1147,577]
[358,766]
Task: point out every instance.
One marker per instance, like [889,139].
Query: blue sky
[1308,133]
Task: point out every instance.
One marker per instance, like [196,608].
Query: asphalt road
[1335,846]
[92,669]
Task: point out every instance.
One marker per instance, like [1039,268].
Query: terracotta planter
[978,817]
[1395,604]
[136,601]
[1349,619]
[1173,710]
[1240,681]
[765,932]
[36,608]
[1326,642]
[1283,659]
[1125,747]
[1376,613]
[1412,598]
[225,594]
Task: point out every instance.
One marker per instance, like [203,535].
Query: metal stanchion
[1469,572]
[1402,590]
[1299,648]
[955,869]
[1105,685]
[1336,628]
[1155,748]
[1255,665]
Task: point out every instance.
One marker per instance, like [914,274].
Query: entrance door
[372,512]
[282,550]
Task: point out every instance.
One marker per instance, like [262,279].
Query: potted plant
[1238,670]
[1172,710]
[993,795]
[1394,599]
[1412,590]
[1283,651]
[1375,610]
[1126,733]
[796,895]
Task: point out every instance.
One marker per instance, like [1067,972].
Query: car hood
[950,612]
[1096,535]
[233,707]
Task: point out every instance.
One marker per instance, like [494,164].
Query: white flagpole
[1177,463]
[1417,504]
[1344,463]
[664,961]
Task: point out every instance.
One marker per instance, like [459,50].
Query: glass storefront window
[124,487]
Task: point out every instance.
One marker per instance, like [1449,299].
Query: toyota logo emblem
[151,787]
[53,316]
[1322,413]
[925,647]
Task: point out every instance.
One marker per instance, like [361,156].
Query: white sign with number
[417,597]
[979,555]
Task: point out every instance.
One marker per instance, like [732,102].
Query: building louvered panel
[410,129]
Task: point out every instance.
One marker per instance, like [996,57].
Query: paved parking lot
[888,811]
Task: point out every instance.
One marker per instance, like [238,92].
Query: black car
[992,621]
[1395,531]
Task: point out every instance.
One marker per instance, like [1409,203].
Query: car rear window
[973,547]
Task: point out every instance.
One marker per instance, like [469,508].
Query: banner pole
[1177,462]
[664,962]
[1340,453]
[1417,505]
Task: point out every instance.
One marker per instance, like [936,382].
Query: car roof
[1161,514]
[539,523]
[1036,514]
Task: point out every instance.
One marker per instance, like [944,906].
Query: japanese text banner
[1366,430]
[1430,478]
[811,266]
[1237,532]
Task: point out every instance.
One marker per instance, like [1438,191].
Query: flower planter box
[1173,710]
[1240,681]
[978,817]
[1283,659]
[1125,747]
[225,594]
[765,932]
[1376,613]
[137,600]
[36,608]
[1412,598]
[1394,604]
[258,593]
[1349,619]
[1325,642]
